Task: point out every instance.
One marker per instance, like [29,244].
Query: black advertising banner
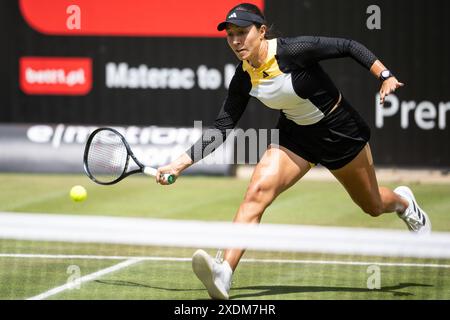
[152,63]
[60,148]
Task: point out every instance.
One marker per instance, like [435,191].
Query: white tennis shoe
[215,275]
[415,218]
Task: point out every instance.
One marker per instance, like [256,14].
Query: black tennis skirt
[333,142]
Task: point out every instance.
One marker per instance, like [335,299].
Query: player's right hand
[175,168]
[169,169]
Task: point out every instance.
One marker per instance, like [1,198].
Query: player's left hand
[389,86]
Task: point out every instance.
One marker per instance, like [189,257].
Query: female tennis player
[316,125]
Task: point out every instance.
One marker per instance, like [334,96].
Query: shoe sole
[203,269]
[427,227]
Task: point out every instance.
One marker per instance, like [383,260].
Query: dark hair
[249,7]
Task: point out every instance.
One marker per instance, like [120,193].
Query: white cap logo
[233,15]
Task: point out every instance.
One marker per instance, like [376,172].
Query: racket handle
[170,178]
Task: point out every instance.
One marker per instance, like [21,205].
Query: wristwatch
[385,74]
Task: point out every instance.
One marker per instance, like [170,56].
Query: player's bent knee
[260,192]
[373,210]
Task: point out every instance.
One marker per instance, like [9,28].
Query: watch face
[385,73]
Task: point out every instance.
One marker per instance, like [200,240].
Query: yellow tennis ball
[78,193]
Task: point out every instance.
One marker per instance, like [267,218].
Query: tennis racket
[108,158]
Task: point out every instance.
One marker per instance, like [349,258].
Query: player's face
[245,41]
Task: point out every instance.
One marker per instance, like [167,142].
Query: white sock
[227,267]
[400,209]
[226,275]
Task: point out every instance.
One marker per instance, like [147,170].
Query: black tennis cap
[241,18]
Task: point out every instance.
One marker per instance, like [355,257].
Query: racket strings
[107,156]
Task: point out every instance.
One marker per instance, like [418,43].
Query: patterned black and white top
[290,80]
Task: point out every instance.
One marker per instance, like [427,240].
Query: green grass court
[310,276]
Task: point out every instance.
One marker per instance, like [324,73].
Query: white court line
[351,263]
[287,261]
[86,278]
[88,257]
